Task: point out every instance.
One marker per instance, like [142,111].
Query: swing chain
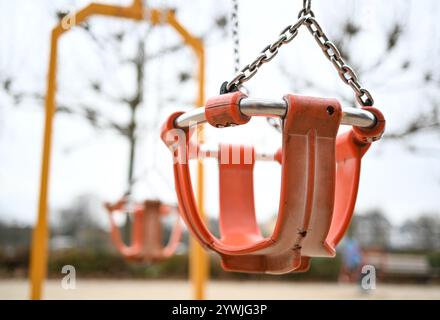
[346,73]
[305,17]
[306,10]
[266,55]
[235,35]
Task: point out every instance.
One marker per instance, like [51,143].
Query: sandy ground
[143,289]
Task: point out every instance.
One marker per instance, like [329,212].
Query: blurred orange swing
[146,238]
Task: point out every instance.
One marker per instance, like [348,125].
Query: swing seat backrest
[238,224]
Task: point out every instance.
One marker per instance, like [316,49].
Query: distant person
[351,260]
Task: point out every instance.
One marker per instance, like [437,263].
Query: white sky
[401,183]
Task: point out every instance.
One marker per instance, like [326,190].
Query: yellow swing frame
[39,252]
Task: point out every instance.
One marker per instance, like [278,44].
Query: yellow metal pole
[41,230]
[39,250]
[40,236]
[200,262]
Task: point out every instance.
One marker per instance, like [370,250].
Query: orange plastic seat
[319,181]
[146,238]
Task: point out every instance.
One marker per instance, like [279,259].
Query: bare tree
[373,229]
[79,222]
[138,61]
[425,78]
[424,231]
[114,43]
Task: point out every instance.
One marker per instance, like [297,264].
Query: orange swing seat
[319,182]
[146,237]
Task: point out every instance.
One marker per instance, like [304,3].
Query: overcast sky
[85,160]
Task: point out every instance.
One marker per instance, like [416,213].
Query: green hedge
[103,264]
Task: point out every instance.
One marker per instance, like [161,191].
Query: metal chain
[305,17]
[235,35]
[307,9]
[266,55]
[346,73]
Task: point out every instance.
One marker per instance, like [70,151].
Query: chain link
[305,17]
[307,9]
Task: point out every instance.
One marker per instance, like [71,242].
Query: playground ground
[160,289]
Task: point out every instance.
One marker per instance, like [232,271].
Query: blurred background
[119,79]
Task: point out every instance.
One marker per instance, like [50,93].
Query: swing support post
[40,236]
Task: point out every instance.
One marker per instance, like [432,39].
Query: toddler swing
[146,238]
[319,169]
